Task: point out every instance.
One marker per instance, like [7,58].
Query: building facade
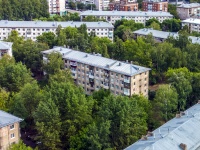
[5,48]
[102,4]
[56,6]
[32,29]
[9,130]
[193,24]
[154,5]
[124,5]
[188,10]
[137,16]
[93,72]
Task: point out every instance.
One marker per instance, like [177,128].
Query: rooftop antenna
[154,136]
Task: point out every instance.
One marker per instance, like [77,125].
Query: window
[12,135]
[12,127]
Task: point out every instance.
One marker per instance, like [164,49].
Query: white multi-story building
[5,48]
[137,16]
[101,4]
[92,72]
[32,29]
[56,6]
[193,24]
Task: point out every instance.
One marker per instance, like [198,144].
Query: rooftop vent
[126,61]
[150,133]
[120,64]
[86,55]
[60,49]
[108,66]
[182,113]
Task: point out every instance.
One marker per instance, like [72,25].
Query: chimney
[144,138]
[120,64]
[178,116]
[198,101]
[182,113]
[126,61]
[150,133]
[183,146]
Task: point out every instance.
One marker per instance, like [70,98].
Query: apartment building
[102,4]
[161,36]
[92,72]
[180,133]
[188,10]
[56,6]
[193,24]
[124,5]
[9,130]
[32,29]
[137,16]
[5,48]
[155,5]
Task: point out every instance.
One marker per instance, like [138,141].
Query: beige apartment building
[56,6]
[9,130]
[93,72]
[188,10]
[5,48]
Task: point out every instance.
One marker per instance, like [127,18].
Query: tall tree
[48,124]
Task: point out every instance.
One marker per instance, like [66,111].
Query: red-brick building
[150,5]
[124,5]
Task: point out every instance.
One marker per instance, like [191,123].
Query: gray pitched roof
[191,5]
[176,131]
[164,34]
[5,45]
[99,61]
[126,13]
[50,24]
[191,20]
[7,119]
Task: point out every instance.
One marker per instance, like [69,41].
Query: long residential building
[161,36]
[155,5]
[193,24]
[32,29]
[5,48]
[188,10]
[137,16]
[9,130]
[56,6]
[92,72]
[180,133]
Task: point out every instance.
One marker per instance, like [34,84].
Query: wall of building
[155,6]
[5,136]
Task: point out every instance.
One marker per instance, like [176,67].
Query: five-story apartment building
[92,72]
[32,29]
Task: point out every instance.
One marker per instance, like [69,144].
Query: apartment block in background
[161,36]
[9,130]
[155,5]
[5,48]
[32,29]
[193,24]
[56,6]
[102,4]
[93,72]
[124,5]
[137,16]
[188,10]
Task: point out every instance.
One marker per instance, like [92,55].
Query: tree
[155,26]
[47,37]
[19,146]
[4,100]
[150,21]
[180,79]
[165,103]
[54,63]
[172,25]
[13,76]
[172,10]
[48,124]
[72,5]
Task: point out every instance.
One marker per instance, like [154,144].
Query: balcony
[127,80]
[73,64]
[73,71]
[106,86]
[91,75]
[126,92]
